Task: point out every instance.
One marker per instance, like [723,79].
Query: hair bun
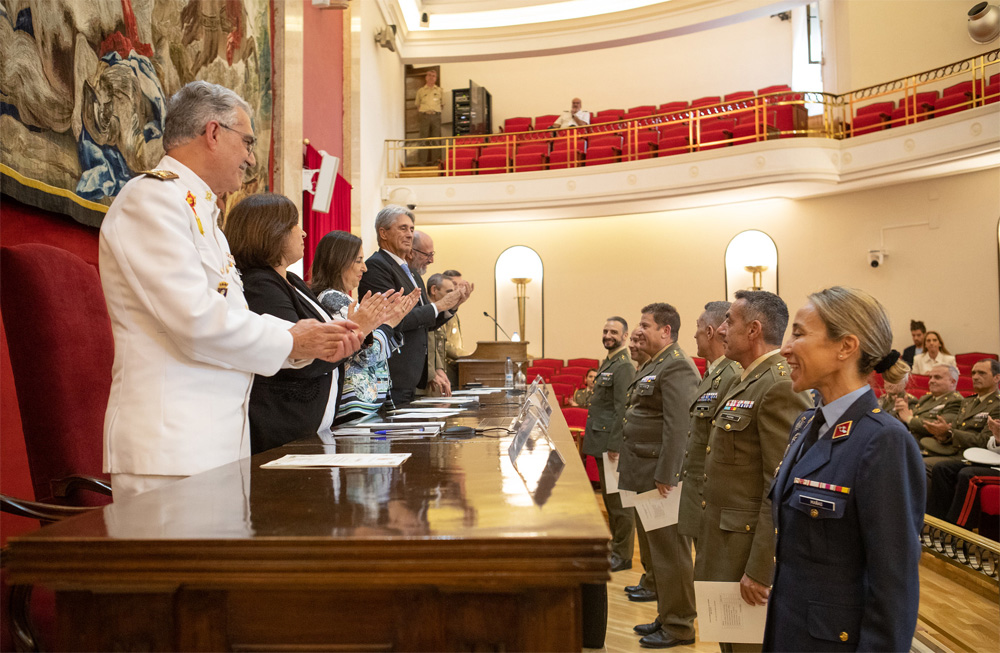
[887,361]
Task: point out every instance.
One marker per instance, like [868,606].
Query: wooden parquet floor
[954,616]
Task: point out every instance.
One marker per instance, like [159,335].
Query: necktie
[406,269]
[812,435]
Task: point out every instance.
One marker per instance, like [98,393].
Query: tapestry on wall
[84,85]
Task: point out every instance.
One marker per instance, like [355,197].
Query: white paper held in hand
[656,511]
[610,475]
[723,615]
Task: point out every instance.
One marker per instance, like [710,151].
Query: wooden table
[450,551]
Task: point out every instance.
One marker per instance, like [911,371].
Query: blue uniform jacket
[848,517]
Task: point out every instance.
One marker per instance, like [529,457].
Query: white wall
[745,56]
[380,76]
[597,267]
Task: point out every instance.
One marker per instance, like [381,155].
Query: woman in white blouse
[935,353]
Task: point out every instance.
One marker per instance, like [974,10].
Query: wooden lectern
[486,364]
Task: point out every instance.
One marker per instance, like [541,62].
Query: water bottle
[508,374]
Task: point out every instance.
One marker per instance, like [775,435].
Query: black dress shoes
[642,596]
[617,564]
[647,629]
[663,639]
[633,588]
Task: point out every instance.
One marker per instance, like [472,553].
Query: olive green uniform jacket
[969,429]
[607,404]
[888,404]
[655,426]
[930,408]
[749,436]
[712,389]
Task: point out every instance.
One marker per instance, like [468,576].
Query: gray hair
[848,311]
[768,309]
[952,370]
[387,217]
[715,312]
[435,280]
[194,106]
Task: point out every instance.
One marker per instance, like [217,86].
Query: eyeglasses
[427,254]
[248,141]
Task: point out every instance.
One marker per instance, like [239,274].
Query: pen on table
[390,431]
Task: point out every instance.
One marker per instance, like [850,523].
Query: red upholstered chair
[564,158]
[493,164]
[715,133]
[461,162]
[914,108]
[601,154]
[584,362]
[554,363]
[578,370]
[964,386]
[671,145]
[538,370]
[884,108]
[868,123]
[700,363]
[951,104]
[643,146]
[546,121]
[61,351]
[612,114]
[707,105]
[973,357]
[785,117]
[989,506]
[574,380]
[674,110]
[576,420]
[563,390]
[918,382]
[517,125]
[992,93]
[674,129]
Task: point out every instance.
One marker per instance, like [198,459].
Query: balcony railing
[742,118]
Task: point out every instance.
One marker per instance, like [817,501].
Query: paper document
[382,426]
[445,400]
[475,391]
[628,498]
[424,413]
[312,461]
[610,475]
[656,511]
[723,615]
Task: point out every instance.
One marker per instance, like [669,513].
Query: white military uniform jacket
[186,345]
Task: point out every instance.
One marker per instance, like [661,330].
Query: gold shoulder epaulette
[162,175]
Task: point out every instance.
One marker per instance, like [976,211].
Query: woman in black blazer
[265,238]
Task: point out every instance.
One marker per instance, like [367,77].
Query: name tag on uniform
[731,418]
[817,503]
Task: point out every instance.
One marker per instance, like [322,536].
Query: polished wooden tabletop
[453,504]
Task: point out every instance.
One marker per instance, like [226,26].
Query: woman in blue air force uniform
[848,506]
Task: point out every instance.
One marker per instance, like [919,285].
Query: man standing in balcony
[575,117]
[429,103]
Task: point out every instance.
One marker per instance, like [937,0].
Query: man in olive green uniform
[747,442]
[719,376]
[653,437]
[452,329]
[935,412]
[604,433]
[969,428]
[438,383]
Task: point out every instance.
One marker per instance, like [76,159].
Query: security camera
[411,206]
[425,20]
[876,257]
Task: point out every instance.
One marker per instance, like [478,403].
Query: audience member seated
[581,398]
[932,418]
[935,353]
[335,275]
[969,428]
[917,332]
[265,238]
[955,483]
[894,391]
[575,117]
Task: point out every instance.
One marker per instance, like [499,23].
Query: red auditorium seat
[644,107]
[553,363]
[642,145]
[574,380]
[492,164]
[538,370]
[973,357]
[992,93]
[674,129]
[713,133]
[884,108]
[533,147]
[563,141]
[530,161]
[602,154]
[700,363]
[706,105]
[965,386]
[562,390]
[751,132]
[546,121]
[559,159]
[579,371]
[677,109]
[914,108]
[517,125]
[740,106]
[785,117]
[868,123]
[989,506]
[952,103]
[917,382]
[613,114]
[671,145]
[584,362]
[462,162]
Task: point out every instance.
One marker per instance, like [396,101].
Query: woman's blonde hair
[849,311]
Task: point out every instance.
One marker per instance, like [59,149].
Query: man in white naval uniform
[186,345]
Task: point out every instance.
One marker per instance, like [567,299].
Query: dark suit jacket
[908,354]
[408,366]
[290,404]
[848,516]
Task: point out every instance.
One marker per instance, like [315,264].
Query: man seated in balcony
[931,419]
[575,117]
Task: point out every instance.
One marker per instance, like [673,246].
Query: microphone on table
[498,324]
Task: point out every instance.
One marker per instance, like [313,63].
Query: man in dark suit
[388,269]
[917,332]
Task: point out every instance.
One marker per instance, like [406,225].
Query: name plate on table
[522,435]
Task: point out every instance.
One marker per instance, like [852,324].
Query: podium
[486,364]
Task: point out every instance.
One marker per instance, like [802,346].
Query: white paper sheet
[312,461]
[628,497]
[656,511]
[723,615]
[610,475]
[445,400]
[424,413]
[476,391]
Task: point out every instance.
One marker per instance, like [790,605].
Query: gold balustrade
[781,114]
[961,547]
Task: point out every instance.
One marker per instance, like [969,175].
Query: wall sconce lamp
[386,37]
[984,23]
[757,272]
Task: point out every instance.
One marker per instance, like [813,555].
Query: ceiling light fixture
[984,23]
